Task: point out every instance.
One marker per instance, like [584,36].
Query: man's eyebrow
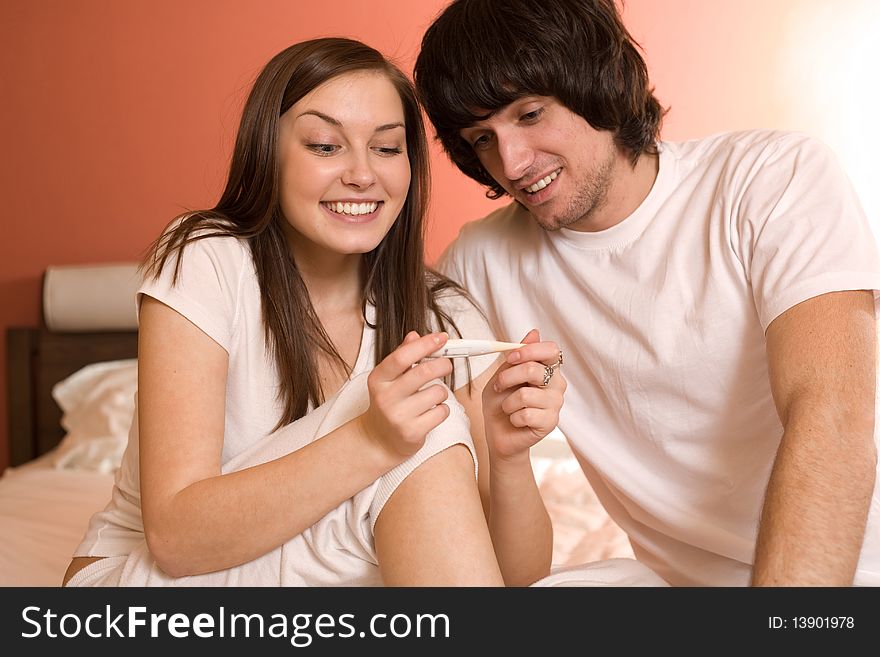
[478,115]
[338,123]
[477,118]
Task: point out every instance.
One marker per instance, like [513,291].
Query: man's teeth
[353,209]
[542,183]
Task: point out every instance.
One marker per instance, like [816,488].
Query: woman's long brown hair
[398,284]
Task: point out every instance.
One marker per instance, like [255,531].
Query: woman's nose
[358,172]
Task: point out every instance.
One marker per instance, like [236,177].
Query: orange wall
[119,115]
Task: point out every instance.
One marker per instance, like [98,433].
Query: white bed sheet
[582,530]
[44,513]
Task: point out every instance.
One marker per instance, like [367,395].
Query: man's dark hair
[481,55]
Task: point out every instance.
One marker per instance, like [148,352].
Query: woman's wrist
[376,452]
[512,463]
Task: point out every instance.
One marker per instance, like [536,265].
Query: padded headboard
[37,359]
[88,317]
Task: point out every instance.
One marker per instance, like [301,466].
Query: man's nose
[516,156]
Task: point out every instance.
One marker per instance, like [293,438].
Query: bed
[58,476]
[71,386]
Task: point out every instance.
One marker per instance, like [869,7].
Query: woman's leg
[100,571]
[432,531]
[77,564]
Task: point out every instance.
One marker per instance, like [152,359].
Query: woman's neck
[333,287]
[334,280]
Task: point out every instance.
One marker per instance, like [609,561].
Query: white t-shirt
[662,322]
[218,292]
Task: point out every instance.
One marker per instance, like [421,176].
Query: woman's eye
[529,117]
[388,150]
[323,149]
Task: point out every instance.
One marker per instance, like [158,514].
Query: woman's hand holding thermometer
[467,348]
[521,402]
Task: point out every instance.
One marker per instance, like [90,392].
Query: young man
[714,300]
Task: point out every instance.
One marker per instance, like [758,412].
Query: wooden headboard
[36,360]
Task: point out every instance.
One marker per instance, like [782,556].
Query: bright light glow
[831,86]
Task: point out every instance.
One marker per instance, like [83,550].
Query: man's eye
[480,142]
[529,117]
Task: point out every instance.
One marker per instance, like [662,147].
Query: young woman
[289,428]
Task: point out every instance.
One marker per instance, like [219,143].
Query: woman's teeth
[543,182]
[353,209]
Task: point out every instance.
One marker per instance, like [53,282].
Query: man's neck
[630,186]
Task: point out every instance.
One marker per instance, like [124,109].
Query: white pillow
[98,406]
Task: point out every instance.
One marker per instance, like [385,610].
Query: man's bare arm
[822,361]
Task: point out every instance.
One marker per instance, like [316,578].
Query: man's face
[550,160]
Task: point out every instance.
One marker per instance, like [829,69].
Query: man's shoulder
[506,222]
[743,144]
[490,239]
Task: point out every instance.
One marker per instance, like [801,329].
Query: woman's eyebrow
[338,123]
[322,116]
[390,126]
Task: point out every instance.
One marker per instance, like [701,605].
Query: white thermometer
[467,348]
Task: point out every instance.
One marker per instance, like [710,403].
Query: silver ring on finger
[549,370]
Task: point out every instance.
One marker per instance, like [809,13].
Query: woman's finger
[536,419]
[407,354]
[528,397]
[416,377]
[430,419]
[543,352]
[424,400]
[531,373]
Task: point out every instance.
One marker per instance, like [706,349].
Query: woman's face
[344,167]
